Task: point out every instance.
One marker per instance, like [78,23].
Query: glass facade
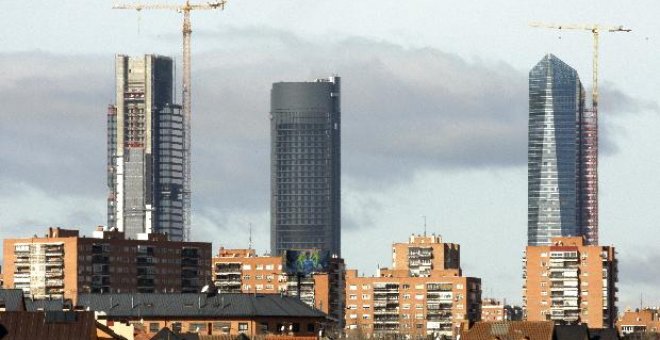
[305,166]
[145,150]
[556,101]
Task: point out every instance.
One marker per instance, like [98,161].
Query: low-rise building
[206,314]
[425,293]
[639,321]
[569,282]
[63,264]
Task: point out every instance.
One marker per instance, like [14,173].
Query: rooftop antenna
[424,225]
[250,239]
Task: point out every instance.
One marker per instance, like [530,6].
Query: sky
[434,119]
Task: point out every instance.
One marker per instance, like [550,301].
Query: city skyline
[436,72]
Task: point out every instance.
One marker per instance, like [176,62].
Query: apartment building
[422,254]
[243,271]
[569,282]
[638,321]
[424,294]
[64,264]
[496,310]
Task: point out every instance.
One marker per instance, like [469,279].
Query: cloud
[404,111]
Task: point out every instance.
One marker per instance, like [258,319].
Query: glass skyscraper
[305,166]
[145,150]
[555,147]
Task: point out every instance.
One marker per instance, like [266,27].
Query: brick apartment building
[646,320]
[242,271]
[64,264]
[569,282]
[495,310]
[424,293]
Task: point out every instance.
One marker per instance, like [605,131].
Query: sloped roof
[12,299]
[196,305]
[166,334]
[603,334]
[571,332]
[46,305]
[510,330]
[47,325]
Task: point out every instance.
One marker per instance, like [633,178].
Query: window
[310,327]
[260,267]
[352,297]
[196,327]
[269,267]
[154,327]
[365,296]
[366,306]
[352,287]
[365,316]
[220,326]
[247,267]
[242,326]
[295,327]
[365,286]
[419,297]
[246,277]
[176,327]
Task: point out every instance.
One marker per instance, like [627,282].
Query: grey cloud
[404,110]
[640,268]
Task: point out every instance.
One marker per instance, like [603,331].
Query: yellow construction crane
[184,8]
[595,30]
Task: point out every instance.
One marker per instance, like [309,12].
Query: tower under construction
[146,151]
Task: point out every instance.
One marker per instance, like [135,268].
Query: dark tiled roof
[572,332]
[47,325]
[510,330]
[12,299]
[196,305]
[166,334]
[46,305]
[603,334]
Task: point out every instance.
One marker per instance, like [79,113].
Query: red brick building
[63,264]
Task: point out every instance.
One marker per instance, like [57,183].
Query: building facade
[146,150]
[242,271]
[562,156]
[569,282]
[638,321]
[417,301]
[305,166]
[206,313]
[63,264]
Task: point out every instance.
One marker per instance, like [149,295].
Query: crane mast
[186,87]
[588,137]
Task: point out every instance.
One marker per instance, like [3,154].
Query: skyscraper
[145,150]
[305,166]
[556,145]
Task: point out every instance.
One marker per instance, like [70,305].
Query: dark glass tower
[555,164]
[145,150]
[305,166]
